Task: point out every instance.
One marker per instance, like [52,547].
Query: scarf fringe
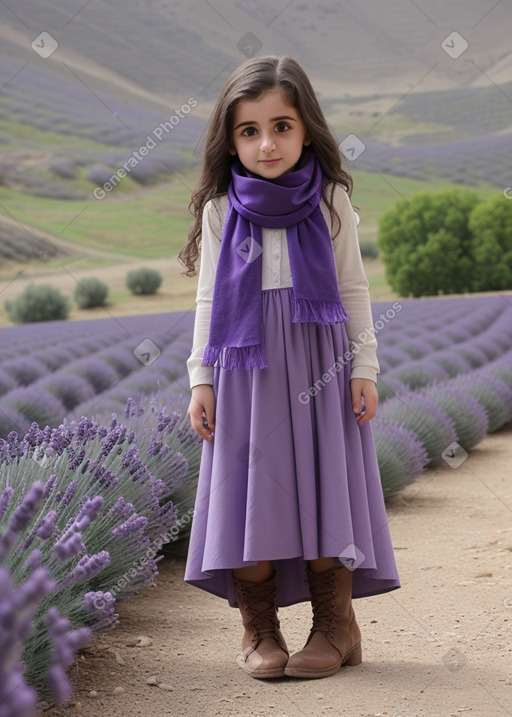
[319,312]
[234,358]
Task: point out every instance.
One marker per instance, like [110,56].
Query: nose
[267,143]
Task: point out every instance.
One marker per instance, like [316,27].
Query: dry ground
[440,646]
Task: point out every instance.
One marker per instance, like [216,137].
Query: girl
[289,504]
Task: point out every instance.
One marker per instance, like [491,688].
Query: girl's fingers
[200,428]
[199,421]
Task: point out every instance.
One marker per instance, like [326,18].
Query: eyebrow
[272,119]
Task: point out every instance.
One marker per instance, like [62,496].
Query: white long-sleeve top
[276,274]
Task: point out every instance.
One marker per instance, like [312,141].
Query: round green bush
[143,281]
[369,249]
[90,293]
[426,243]
[491,226]
[38,303]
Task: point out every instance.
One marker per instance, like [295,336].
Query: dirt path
[440,646]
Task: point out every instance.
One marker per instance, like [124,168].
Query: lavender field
[431,352]
[107,479]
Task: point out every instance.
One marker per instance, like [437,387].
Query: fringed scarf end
[319,312]
[234,358]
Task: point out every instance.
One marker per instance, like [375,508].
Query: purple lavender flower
[49,485]
[87,567]
[35,559]
[46,527]
[21,517]
[65,642]
[69,492]
[75,459]
[135,522]
[70,544]
[88,512]
[17,699]
[103,605]
[5,498]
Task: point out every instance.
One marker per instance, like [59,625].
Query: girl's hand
[364,388]
[201,411]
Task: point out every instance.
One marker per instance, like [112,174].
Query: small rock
[119,659]
[140,641]
[166,686]
[144,641]
[118,691]
[78,705]
[153,680]
[93,693]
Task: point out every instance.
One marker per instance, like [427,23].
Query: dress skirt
[290,476]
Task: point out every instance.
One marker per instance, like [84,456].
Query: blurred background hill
[427,106]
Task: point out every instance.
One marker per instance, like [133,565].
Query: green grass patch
[150,224]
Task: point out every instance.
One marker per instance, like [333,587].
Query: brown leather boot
[264,651]
[335,638]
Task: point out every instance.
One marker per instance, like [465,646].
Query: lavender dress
[290,477]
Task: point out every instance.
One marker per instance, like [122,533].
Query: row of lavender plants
[84,512]
[81,365]
[86,504]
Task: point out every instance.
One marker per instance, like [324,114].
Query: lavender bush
[401,455]
[83,514]
[469,417]
[426,419]
[492,393]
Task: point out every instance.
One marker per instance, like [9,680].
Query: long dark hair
[248,82]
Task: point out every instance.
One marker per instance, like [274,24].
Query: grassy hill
[124,68]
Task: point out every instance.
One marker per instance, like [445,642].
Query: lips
[270,161]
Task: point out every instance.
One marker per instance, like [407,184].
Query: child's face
[268,135]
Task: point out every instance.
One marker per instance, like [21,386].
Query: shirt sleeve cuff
[364,372]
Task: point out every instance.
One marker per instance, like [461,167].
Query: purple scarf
[292,201]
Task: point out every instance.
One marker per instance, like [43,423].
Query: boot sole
[354,658]
[266,674]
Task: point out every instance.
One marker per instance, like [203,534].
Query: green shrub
[90,293]
[369,249]
[426,243]
[491,226]
[143,281]
[38,303]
